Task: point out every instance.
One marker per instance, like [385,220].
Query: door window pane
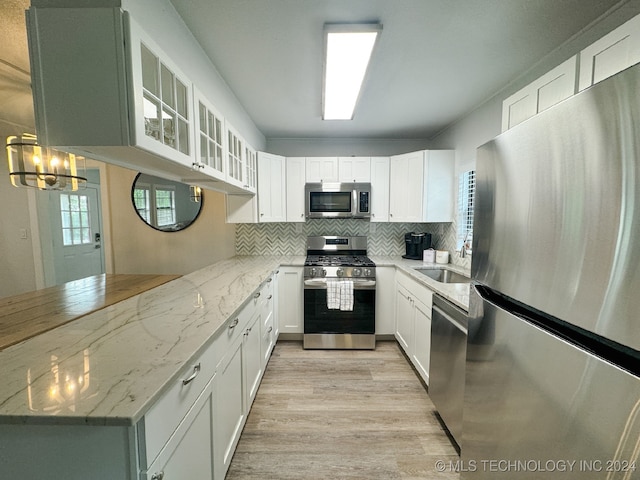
[75,219]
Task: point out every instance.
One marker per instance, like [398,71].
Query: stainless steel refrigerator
[552,385]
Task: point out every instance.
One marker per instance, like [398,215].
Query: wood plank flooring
[334,414]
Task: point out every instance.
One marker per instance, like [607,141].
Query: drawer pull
[233,324]
[257,295]
[191,378]
[269,279]
[157,476]
[269,297]
[270,330]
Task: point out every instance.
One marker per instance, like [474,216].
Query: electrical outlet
[23,233]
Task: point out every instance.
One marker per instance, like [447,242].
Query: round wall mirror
[165,205]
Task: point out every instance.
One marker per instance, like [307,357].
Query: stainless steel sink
[442,275]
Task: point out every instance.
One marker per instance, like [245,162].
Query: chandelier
[32,165]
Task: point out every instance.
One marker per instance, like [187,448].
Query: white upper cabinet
[406,187]
[111,93]
[271,188]
[295,172]
[611,54]
[421,186]
[354,169]
[439,184]
[321,169]
[380,189]
[546,91]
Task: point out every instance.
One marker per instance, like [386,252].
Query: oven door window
[319,319]
[330,202]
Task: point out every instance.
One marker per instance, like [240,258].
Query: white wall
[343,147]
[138,248]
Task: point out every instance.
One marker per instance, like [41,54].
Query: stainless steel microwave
[338,200]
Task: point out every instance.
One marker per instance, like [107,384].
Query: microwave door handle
[355,204]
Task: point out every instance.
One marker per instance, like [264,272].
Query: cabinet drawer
[225,339]
[163,418]
[418,291]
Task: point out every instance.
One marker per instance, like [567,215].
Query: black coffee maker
[416,243]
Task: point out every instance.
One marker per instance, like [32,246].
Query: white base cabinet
[385,300]
[189,451]
[291,300]
[413,322]
[229,407]
[190,432]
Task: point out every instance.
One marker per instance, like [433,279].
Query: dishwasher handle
[449,311]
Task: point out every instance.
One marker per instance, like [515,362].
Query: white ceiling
[435,61]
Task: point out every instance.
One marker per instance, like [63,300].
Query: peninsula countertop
[126,354]
[33,313]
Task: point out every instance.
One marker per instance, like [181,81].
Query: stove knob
[357,272]
[323,273]
[340,272]
[367,272]
[313,272]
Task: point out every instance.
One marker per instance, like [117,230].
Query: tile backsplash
[383,238]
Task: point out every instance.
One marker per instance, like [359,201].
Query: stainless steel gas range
[339,294]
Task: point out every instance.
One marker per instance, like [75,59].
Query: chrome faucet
[463,249]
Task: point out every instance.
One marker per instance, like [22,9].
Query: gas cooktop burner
[338,261]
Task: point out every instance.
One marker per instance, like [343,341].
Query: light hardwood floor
[333,414]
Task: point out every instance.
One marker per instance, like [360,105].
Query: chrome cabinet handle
[157,476]
[270,279]
[269,297]
[233,324]
[256,295]
[191,378]
[270,330]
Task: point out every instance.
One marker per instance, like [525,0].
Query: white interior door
[76,234]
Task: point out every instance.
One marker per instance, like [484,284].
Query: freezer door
[557,218]
[538,407]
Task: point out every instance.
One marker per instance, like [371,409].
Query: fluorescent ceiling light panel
[348,51]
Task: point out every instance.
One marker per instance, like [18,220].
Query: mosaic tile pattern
[384,238]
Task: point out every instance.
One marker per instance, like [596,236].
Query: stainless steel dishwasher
[447,363]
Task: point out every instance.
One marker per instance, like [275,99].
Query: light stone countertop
[132,350]
[458,293]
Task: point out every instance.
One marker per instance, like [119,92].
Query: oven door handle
[321,284]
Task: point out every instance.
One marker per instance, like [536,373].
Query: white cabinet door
[611,54]
[290,300]
[321,169]
[354,169]
[210,148]
[404,319]
[380,189]
[252,358]
[406,183]
[439,178]
[236,168]
[551,88]
[422,338]
[271,188]
[385,300]
[295,171]
[251,168]
[229,407]
[189,451]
